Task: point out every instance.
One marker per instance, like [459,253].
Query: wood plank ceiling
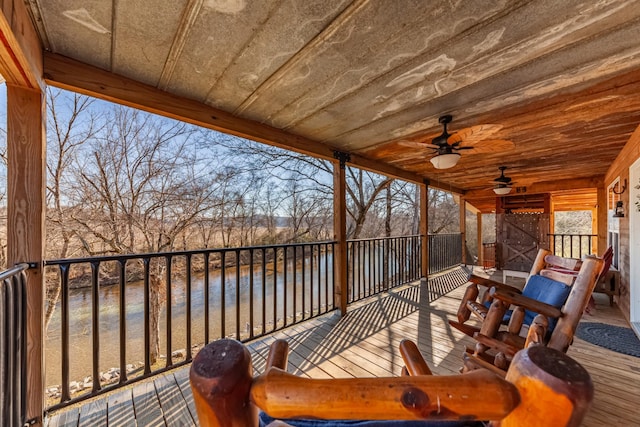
[561,80]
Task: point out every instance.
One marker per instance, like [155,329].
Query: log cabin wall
[620,168]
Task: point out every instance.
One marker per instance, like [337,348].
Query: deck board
[174,407]
[120,409]
[94,413]
[365,343]
[147,405]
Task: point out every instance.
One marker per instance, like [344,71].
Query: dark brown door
[518,237]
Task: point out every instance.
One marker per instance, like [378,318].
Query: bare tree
[141,188]
[70,124]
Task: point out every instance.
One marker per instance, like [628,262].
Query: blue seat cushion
[542,289]
[548,291]
[265,420]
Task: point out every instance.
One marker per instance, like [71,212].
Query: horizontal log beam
[20,49]
[78,77]
[545,187]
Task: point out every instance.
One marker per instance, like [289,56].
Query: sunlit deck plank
[120,409]
[174,407]
[366,342]
[94,413]
[147,405]
[65,419]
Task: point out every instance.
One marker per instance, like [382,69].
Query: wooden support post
[26,154]
[480,246]
[555,390]
[463,228]
[221,376]
[602,228]
[424,229]
[340,231]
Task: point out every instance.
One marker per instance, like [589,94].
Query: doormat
[616,338]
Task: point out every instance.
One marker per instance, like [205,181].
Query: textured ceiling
[561,80]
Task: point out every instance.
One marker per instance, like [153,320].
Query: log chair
[543,387]
[497,347]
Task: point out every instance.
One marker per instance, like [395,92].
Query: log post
[340,231]
[555,390]
[26,153]
[480,237]
[424,229]
[463,229]
[220,377]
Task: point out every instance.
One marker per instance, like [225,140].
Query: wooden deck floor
[365,344]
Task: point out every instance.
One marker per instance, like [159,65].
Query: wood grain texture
[20,49]
[26,156]
[340,236]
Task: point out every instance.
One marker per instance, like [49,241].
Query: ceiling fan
[446,146]
[503,184]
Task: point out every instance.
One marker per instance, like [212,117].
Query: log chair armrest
[527,303]
[497,345]
[413,360]
[488,283]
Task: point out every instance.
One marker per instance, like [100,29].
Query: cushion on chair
[548,291]
[266,420]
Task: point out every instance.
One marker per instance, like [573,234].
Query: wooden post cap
[220,377]
[555,390]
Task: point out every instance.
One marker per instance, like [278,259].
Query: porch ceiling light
[502,189]
[445,161]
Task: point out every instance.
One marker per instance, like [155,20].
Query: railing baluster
[64,330]
[311,270]
[304,281]
[146,261]
[285,286]
[188,309]
[251,284]
[206,297]
[223,296]
[123,321]
[294,270]
[264,290]
[169,262]
[275,289]
[237,260]
[95,326]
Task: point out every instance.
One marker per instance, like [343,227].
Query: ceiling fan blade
[489,146]
[416,144]
[473,134]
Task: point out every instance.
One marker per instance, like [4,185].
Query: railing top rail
[384,238]
[18,268]
[125,257]
[445,234]
[572,234]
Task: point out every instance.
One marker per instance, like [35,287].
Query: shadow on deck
[365,344]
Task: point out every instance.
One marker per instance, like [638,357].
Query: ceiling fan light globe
[501,190]
[445,161]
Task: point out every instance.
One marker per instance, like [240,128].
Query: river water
[80,314]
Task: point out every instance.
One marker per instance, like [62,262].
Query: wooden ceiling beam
[20,48]
[547,187]
[75,76]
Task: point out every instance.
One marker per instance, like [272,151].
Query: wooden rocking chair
[543,387]
[552,325]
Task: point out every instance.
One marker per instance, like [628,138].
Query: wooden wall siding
[620,168]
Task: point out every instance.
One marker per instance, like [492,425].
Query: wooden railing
[13,346]
[572,245]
